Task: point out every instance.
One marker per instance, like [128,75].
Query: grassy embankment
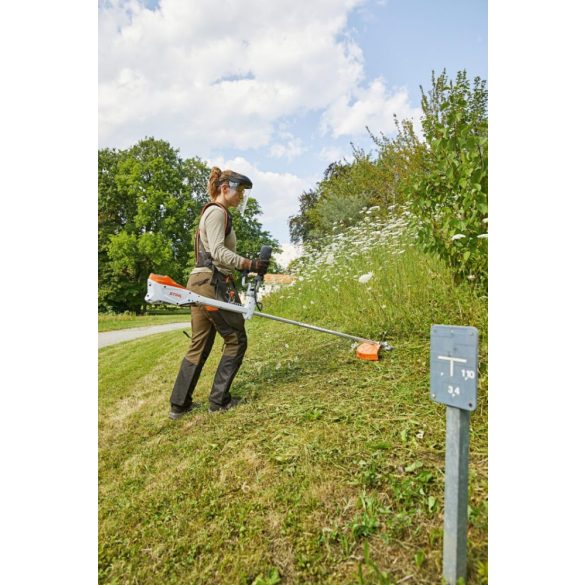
[327,456]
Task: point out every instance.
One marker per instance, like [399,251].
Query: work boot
[179,411]
[231,404]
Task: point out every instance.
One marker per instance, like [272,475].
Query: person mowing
[216,259]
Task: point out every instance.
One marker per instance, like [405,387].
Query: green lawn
[327,454]
[107,322]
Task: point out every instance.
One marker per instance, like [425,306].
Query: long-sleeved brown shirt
[221,247]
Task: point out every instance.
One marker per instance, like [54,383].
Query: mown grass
[331,471]
[111,322]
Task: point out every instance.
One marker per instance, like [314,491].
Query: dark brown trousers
[205,321]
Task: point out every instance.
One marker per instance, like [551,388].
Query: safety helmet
[236,180]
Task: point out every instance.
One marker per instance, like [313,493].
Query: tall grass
[372,280]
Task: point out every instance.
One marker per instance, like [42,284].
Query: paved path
[111,337]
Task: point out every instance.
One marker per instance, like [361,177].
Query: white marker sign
[454,366]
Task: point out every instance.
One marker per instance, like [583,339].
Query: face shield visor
[244,193]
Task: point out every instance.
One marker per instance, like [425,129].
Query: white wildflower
[482,236]
[457,237]
[420,434]
[365,277]
[485,220]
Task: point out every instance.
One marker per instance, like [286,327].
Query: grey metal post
[456,477]
[454,383]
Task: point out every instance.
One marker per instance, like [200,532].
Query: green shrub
[448,194]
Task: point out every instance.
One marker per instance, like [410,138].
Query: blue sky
[276,90]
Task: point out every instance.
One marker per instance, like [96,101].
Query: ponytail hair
[213,183]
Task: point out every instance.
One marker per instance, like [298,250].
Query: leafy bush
[449,192]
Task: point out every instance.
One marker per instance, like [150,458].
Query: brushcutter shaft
[313,327]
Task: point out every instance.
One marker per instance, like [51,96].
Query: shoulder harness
[203,258]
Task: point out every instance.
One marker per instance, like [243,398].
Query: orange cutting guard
[368,351]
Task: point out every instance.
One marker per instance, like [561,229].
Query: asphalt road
[110,337]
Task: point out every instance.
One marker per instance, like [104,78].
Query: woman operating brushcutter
[215,261]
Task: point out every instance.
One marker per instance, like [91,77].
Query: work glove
[258,266]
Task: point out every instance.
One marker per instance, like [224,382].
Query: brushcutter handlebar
[258,265]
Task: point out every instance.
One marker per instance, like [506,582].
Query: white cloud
[291,149]
[277,193]
[211,73]
[373,106]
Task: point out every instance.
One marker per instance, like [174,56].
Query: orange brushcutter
[163,289]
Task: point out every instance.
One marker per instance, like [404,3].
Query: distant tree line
[442,178]
[149,202]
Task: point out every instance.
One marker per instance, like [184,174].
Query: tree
[148,202]
[370,179]
[301,226]
[114,211]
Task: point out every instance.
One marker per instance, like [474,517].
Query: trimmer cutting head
[368,351]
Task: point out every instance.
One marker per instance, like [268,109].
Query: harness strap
[203,258]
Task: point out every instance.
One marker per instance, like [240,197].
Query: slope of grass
[331,471]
